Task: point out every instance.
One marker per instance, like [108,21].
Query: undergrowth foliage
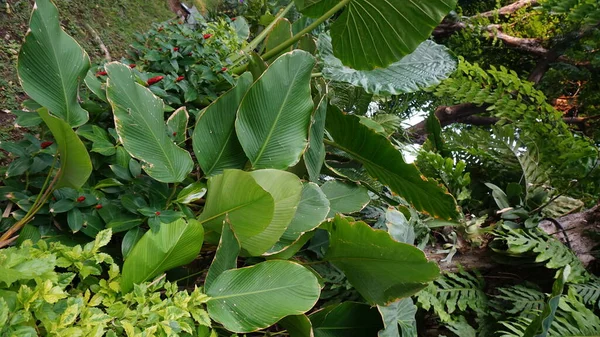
[259,187]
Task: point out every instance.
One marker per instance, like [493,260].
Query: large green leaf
[75,163]
[426,66]
[274,116]
[177,125]
[314,156]
[226,255]
[399,319]
[348,319]
[382,270]
[236,195]
[52,64]
[297,326]
[175,244]
[139,121]
[286,190]
[384,162]
[215,143]
[252,298]
[312,210]
[281,32]
[375,33]
[345,198]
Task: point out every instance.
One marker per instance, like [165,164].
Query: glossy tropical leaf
[312,210]
[274,116]
[243,300]
[345,198]
[215,143]
[426,66]
[281,32]
[286,190]
[297,326]
[381,269]
[192,192]
[175,244]
[348,319]
[52,64]
[130,239]
[249,208]
[256,65]
[373,34]
[95,85]
[385,163]
[75,163]
[139,121]
[226,255]
[399,319]
[314,156]
[177,125]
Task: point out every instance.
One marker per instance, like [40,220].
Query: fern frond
[543,248]
[452,294]
[518,300]
[589,292]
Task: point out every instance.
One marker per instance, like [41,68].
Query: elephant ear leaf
[373,34]
[139,121]
[52,65]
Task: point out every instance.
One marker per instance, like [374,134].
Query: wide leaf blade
[345,198]
[385,163]
[226,255]
[381,269]
[75,163]
[174,245]
[274,116]
[253,298]
[215,143]
[236,195]
[314,156]
[348,319]
[139,121]
[426,66]
[52,65]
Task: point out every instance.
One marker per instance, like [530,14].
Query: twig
[99,42]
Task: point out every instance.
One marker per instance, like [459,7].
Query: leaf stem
[260,37]
[172,194]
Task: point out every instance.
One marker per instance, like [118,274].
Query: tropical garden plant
[246,176]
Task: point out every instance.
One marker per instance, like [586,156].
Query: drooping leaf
[243,300]
[256,65]
[75,163]
[399,227]
[52,65]
[297,326]
[175,244]
[384,162]
[499,196]
[215,143]
[348,319]
[426,66]
[312,210]
[399,319]
[381,269]
[192,192]
[95,85]
[249,208]
[274,116]
[345,198]
[540,326]
[315,153]
[372,34]
[281,32]
[177,125]
[141,127]
[286,190]
[226,255]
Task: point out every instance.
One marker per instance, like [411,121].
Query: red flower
[132,66]
[223,69]
[101,73]
[175,48]
[157,213]
[159,49]
[155,79]
[233,19]
[46,144]
[207,36]
[81,199]
[180,78]
[174,134]
[99,206]
[190,54]
[160,29]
